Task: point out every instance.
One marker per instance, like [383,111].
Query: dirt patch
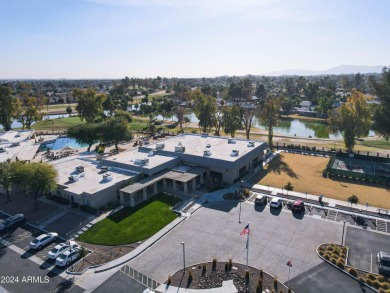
[102,254]
[305,174]
[207,276]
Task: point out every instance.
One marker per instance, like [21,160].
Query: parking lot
[214,232]
[364,246]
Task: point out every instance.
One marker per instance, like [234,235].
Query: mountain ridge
[341,69]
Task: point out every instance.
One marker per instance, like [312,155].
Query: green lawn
[380,144]
[57,124]
[133,224]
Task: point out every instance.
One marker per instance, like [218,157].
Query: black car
[12,222]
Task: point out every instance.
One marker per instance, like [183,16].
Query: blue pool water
[60,143]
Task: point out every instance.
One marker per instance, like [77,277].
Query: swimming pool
[60,143]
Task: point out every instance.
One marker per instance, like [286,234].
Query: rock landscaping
[212,274]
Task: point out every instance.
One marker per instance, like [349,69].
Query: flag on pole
[245,231]
[289,263]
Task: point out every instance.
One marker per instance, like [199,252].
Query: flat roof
[219,146]
[93,181]
[21,147]
[134,157]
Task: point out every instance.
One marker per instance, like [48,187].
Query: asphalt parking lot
[364,246]
[25,275]
[120,282]
[214,232]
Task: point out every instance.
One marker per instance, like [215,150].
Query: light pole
[342,237]
[239,215]
[184,257]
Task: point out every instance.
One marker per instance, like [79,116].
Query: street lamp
[239,215]
[342,237]
[184,257]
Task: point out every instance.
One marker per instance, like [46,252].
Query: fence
[79,227]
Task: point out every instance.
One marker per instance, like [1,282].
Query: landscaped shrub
[385,285]
[340,264]
[321,252]
[361,279]
[369,282]
[190,275]
[376,284]
[247,275]
[261,273]
[169,280]
[88,209]
[327,257]
[353,272]
[275,283]
[333,260]
[371,277]
[381,278]
[330,248]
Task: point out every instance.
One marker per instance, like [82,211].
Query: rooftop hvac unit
[235,153]
[179,143]
[80,169]
[251,144]
[180,149]
[207,153]
[160,146]
[145,161]
[204,135]
[108,177]
[231,140]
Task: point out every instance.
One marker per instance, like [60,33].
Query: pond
[60,143]
[16,124]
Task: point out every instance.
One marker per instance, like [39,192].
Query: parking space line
[371,264]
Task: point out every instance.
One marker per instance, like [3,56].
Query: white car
[67,257]
[276,202]
[148,291]
[61,248]
[42,240]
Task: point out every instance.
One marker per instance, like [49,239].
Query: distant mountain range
[342,69]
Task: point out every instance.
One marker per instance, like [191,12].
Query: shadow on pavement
[275,212]
[259,208]
[223,206]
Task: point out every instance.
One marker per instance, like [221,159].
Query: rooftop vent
[141,161]
[76,177]
[204,135]
[251,144]
[180,149]
[179,143]
[231,140]
[80,169]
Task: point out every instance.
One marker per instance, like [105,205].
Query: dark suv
[12,222]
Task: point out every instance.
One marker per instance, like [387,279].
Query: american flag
[245,231]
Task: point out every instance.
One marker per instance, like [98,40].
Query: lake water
[291,127]
[16,124]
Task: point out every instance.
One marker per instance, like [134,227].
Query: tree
[89,104]
[324,105]
[69,110]
[84,134]
[9,107]
[205,108]
[124,114]
[179,111]
[115,129]
[30,112]
[269,114]
[6,177]
[382,113]
[231,119]
[36,178]
[218,122]
[352,119]
[353,199]
[289,186]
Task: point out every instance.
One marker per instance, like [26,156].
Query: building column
[132,202]
[174,185]
[145,193]
[194,184]
[121,198]
[185,188]
[155,188]
[165,184]
[201,178]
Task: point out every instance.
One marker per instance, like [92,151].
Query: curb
[344,271]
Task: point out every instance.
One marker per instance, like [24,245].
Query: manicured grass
[305,173]
[133,224]
[57,124]
[380,144]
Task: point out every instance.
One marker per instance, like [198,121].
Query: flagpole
[288,283]
[247,247]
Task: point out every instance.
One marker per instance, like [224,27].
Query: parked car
[148,291]
[383,259]
[261,199]
[298,206]
[276,202]
[67,257]
[12,222]
[42,240]
[61,248]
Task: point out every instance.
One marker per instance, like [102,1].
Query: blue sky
[188,38]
